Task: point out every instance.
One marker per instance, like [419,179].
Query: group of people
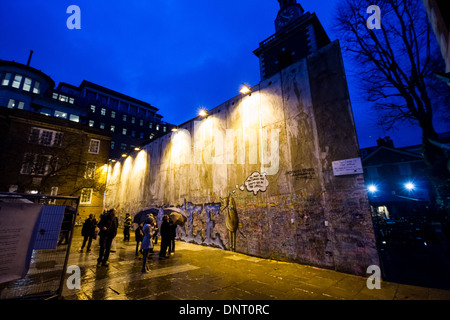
[146,234]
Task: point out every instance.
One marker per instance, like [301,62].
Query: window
[102,125]
[124,131]
[94,146]
[113,128]
[74,118]
[55,95]
[71,100]
[113,143]
[37,87]
[92,108]
[17,81]
[141,135]
[157,127]
[150,125]
[36,164]
[46,137]
[63,98]
[124,117]
[141,122]
[103,111]
[60,114]
[27,84]
[86,196]
[11,103]
[123,146]
[6,79]
[90,170]
[164,128]
[133,120]
[20,105]
[91,123]
[133,133]
[113,114]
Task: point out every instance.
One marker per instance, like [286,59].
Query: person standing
[147,244]
[138,235]
[108,229]
[165,236]
[126,227]
[88,232]
[172,235]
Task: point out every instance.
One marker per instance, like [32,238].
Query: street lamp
[372,188]
[410,186]
[203,113]
[245,89]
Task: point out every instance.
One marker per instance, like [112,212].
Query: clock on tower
[290,10]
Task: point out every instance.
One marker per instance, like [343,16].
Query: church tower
[297,34]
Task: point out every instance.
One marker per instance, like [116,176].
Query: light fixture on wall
[124,155]
[203,113]
[174,129]
[245,89]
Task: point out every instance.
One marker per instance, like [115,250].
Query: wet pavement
[203,273]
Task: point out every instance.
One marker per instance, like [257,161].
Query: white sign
[17,223]
[348,166]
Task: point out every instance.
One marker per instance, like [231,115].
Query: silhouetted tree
[397,61]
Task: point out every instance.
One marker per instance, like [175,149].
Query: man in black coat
[165,236]
[88,232]
[108,229]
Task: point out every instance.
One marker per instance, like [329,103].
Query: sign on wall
[347,166]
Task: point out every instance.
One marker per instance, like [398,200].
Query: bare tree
[397,59]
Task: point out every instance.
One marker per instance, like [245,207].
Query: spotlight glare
[410,186]
[372,188]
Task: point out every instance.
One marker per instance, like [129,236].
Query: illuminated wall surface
[257,172]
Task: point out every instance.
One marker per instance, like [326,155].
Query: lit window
[141,122]
[141,135]
[91,123]
[17,81]
[37,87]
[133,119]
[20,105]
[90,170]
[92,108]
[124,131]
[113,143]
[86,196]
[164,129]
[102,125]
[133,133]
[74,118]
[103,111]
[60,114]
[157,127]
[150,125]
[94,146]
[11,103]
[6,79]
[113,128]
[124,117]
[71,100]
[55,95]
[113,114]
[63,98]
[27,84]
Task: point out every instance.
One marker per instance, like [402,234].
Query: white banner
[17,224]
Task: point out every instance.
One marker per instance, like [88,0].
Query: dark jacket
[88,229]
[165,230]
[110,222]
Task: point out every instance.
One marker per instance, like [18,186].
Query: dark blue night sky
[177,55]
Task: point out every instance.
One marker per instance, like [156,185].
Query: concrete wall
[260,165]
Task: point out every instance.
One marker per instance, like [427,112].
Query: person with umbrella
[146,243]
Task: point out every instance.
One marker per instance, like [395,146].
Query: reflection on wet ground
[204,273]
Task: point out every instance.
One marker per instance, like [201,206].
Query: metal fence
[52,241]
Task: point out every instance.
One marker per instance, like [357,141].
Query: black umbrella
[144,214]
